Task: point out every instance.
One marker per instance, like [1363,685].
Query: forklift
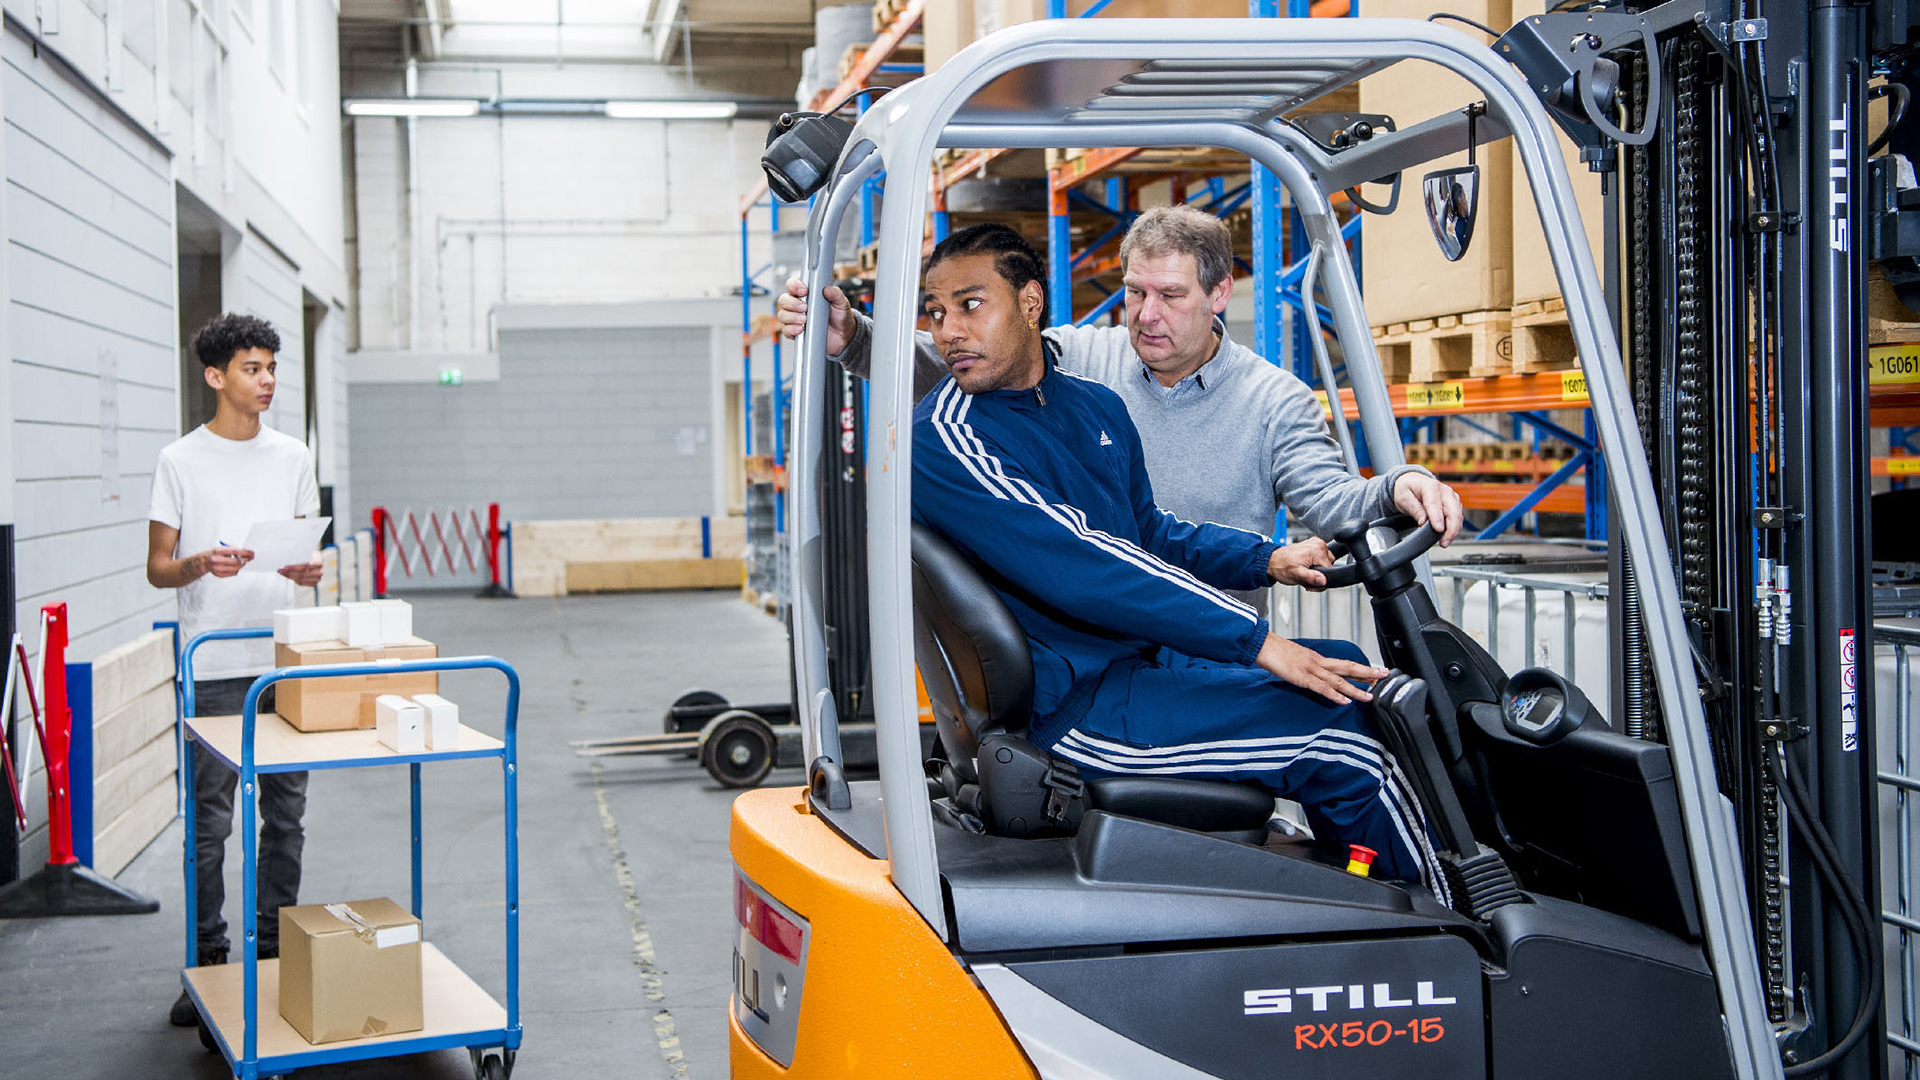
[1685,890]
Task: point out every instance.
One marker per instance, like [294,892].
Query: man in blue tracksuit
[1141,663]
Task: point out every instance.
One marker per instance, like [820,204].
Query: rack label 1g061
[1893,365]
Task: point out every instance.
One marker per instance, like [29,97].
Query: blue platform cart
[239,1002]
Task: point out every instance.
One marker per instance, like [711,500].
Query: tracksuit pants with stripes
[1183,716]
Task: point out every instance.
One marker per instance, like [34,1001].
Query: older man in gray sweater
[1228,437]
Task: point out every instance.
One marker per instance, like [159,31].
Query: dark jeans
[282,803]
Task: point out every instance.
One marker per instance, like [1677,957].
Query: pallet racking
[1093,195]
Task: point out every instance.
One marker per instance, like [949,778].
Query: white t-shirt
[213,490]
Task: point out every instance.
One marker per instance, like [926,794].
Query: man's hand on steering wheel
[1428,501]
[1293,564]
[1324,675]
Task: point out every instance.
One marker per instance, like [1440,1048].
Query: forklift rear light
[763,924]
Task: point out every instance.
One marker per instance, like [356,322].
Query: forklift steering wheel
[1350,539]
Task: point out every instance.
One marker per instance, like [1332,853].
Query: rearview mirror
[1453,202]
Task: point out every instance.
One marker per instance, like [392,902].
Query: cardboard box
[360,624]
[947,27]
[1404,276]
[396,620]
[349,971]
[443,721]
[346,702]
[298,626]
[952,25]
[1533,276]
[400,725]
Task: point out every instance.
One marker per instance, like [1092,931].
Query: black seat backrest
[973,655]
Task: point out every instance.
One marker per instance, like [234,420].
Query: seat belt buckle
[1063,785]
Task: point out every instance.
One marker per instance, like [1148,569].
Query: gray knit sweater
[1230,444]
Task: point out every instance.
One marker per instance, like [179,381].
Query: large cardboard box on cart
[1403,275]
[343,702]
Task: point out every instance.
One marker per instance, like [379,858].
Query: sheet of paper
[283,543]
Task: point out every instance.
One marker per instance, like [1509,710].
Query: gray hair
[1182,230]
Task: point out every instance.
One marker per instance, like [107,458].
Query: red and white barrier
[406,538]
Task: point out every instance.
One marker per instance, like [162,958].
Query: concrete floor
[624,874]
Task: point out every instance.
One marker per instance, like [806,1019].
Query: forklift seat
[978,670]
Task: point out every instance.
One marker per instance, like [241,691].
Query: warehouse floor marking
[650,976]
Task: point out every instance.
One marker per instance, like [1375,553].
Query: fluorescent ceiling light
[671,110]
[413,107]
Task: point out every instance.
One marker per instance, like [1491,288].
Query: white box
[396,621]
[443,721]
[400,724]
[304,626]
[360,625]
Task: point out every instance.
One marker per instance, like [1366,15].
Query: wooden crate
[543,551]
[1472,344]
[1541,338]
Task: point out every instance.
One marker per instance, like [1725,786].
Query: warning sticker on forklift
[1892,365]
[1849,696]
[1439,395]
[1573,386]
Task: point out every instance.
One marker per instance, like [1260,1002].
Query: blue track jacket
[1046,490]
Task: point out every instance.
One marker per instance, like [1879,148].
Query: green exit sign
[451,377]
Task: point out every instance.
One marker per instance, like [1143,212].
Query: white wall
[123,101]
[90,286]
[542,209]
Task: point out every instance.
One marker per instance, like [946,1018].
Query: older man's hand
[1430,502]
[790,311]
[1293,564]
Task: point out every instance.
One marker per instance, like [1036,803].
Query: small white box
[304,626]
[443,721]
[360,625]
[396,621]
[400,724]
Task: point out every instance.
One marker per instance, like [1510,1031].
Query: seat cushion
[1200,805]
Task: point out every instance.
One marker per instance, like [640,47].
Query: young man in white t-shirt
[209,489]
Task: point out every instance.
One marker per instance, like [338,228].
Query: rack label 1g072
[1893,365]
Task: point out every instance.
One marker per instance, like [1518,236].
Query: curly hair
[1013,257]
[218,341]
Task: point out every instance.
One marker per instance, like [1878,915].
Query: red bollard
[59,723]
[64,886]
[382,521]
[494,535]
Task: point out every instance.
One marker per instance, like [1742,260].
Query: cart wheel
[492,1064]
[738,749]
[690,699]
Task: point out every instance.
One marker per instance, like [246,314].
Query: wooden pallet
[885,11]
[1473,344]
[1541,339]
[1888,320]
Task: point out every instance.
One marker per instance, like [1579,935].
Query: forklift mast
[1739,229]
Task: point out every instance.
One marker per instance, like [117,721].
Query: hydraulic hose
[1853,911]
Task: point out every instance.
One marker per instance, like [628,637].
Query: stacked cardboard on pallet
[952,25]
[1406,279]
